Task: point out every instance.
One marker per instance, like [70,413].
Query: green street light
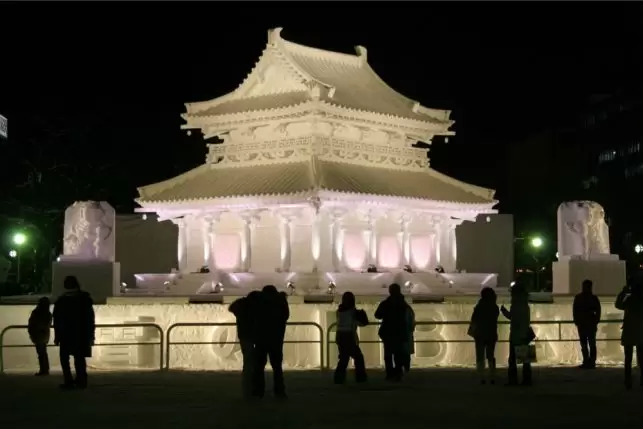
[536,242]
[19,239]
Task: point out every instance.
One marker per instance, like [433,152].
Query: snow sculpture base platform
[309,284]
[607,273]
[100,278]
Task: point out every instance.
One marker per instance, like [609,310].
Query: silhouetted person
[587,314]
[520,332]
[244,311]
[74,328]
[484,330]
[270,329]
[39,332]
[394,331]
[409,344]
[630,300]
[349,318]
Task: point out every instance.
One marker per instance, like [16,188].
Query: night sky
[96,90]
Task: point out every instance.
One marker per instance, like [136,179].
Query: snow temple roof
[307,179]
[289,75]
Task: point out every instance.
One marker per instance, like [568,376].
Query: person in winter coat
[484,330]
[270,328]
[587,314]
[39,332]
[520,332]
[349,318]
[630,300]
[74,330]
[244,310]
[394,331]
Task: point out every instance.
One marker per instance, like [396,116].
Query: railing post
[168,343]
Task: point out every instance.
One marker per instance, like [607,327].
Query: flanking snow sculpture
[584,251]
[89,231]
[89,250]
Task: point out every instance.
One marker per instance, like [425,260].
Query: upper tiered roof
[290,75]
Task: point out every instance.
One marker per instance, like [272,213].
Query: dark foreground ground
[439,398]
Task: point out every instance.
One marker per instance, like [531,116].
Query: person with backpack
[349,318]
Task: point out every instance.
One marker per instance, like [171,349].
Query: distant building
[596,156]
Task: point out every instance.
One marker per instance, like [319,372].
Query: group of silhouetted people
[74,327]
[484,330]
[586,316]
[261,327]
[262,316]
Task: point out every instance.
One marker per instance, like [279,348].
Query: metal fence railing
[324,340]
[154,326]
[169,342]
[466,339]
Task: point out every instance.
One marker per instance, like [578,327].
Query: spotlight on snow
[290,287]
[331,288]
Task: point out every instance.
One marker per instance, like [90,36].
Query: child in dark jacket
[484,330]
[39,332]
[349,318]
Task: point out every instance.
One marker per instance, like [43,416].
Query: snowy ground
[440,398]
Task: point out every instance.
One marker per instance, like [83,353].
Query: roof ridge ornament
[362,53]
[274,35]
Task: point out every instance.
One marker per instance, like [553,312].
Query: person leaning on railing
[39,333]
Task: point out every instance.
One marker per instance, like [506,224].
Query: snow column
[286,251]
[210,241]
[405,243]
[246,244]
[334,236]
[182,248]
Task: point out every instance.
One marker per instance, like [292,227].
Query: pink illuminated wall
[388,252]
[227,251]
[421,251]
[354,250]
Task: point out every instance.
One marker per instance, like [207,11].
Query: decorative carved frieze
[326,148]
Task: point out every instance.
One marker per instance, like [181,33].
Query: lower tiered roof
[215,182]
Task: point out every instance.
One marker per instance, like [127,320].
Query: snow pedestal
[584,251]
[89,250]
[100,278]
[607,273]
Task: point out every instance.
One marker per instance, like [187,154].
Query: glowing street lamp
[13,253]
[536,242]
[19,239]
[638,248]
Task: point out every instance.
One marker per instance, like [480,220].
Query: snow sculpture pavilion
[316,175]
